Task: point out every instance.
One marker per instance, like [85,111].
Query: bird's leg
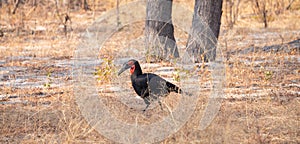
[146,107]
[160,104]
[147,102]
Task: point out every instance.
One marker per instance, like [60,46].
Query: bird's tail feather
[173,88]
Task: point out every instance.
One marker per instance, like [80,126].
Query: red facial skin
[132,69]
[131,63]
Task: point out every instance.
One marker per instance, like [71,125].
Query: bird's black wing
[154,85]
[158,87]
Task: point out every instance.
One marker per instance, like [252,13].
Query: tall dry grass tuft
[262,91]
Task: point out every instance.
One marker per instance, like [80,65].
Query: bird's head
[132,64]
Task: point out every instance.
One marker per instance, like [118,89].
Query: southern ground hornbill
[148,86]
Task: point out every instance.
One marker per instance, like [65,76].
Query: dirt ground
[38,105]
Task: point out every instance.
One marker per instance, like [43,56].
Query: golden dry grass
[262,100]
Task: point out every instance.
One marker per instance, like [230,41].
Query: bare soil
[37,100]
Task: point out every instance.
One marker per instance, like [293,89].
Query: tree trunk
[85,5]
[159,31]
[2,2]
[205,30]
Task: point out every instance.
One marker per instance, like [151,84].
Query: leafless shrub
[267,9]
[231,11]
[259,7]
[290,4]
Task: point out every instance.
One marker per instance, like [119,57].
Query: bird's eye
[130,63]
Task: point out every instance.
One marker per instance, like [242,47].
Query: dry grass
[262,99]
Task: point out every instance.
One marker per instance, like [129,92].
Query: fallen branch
[16,6]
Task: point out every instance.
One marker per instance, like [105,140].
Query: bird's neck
[137,71]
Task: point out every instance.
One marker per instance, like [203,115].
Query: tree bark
[205,30]
[85,5]
[159,30]
[2,2]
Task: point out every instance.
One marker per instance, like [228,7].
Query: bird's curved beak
[124,68]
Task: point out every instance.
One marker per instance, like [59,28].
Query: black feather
[148,86]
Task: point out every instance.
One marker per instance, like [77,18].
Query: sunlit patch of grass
[246,119]
[106,71]
[176,76]
[181,73]
[268,75]
[48,82]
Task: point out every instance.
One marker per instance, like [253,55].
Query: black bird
[148,86]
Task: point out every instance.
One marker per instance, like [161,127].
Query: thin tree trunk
[34,3]
[85,5]
[159,31]
[205,30]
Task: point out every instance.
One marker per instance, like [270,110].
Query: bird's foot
[146,108]
[160,105]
